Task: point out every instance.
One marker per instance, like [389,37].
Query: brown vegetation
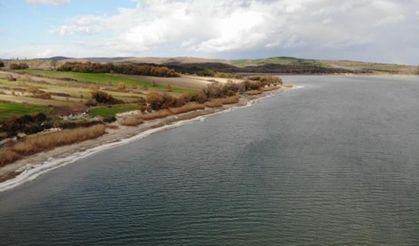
[187,108]
[214,103]
[134,120]
[28,124]
[39,143]
[219,102]
[254,92]
[156,115]
[19,66]
[104,98]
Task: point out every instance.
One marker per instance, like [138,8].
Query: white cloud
[82,24]
[318,28]
[210,26]
[48,2]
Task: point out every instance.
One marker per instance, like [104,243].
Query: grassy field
[108,111]
[105,78]
[275,60]
[350,65]
[8,110]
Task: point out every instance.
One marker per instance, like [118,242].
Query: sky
[367,30]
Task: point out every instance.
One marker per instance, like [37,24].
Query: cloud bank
[382,30]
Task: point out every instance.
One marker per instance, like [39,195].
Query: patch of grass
[104,78]
[109,111]
[8,110]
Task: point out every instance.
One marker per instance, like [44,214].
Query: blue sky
[369,30]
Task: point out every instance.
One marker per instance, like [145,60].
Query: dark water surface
[334,163]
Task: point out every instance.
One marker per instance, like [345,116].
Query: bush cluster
[134,69]
[28,124]
[268,80]
[1,64]
[214,90]
[104,98]
[212,73]
[19,66]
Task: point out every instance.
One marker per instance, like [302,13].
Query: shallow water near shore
[335,162]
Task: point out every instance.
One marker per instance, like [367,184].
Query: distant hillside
[354,66]
[281,65]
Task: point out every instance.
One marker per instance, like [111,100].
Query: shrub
[219,102]
[8,156]
[28,124]
[76,124]
[109,119]
[155,100]
[158,101]
[187,108]
[230,100]
[214,103]
[104,98]
[252,85]
[39,143]
[254,92]
[19,66]
[214,90]
[199,97]
[132,121]
[156,115]
[267,80]
[1,64]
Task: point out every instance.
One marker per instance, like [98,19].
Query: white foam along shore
[31,171]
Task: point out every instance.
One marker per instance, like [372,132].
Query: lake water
[334,163]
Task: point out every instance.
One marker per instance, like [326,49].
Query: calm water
[334,163]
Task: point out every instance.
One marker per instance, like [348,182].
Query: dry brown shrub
[131,121]
[230,100]
[38,143]
[214,103]
[7,156]
[156,115]
[253,92]
[187,108]
[49,141]
[112,126]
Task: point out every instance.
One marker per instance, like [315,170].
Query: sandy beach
[31,167]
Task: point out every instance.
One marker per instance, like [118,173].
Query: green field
[108,111]
[350,65]
[104,78]
[8,110]
[276,60]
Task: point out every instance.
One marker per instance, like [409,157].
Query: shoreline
[31,167]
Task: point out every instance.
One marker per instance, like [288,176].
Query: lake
[336,162]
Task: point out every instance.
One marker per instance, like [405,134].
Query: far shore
[30,167]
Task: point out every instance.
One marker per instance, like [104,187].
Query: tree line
[214,90]
[132,69]
[156,101]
